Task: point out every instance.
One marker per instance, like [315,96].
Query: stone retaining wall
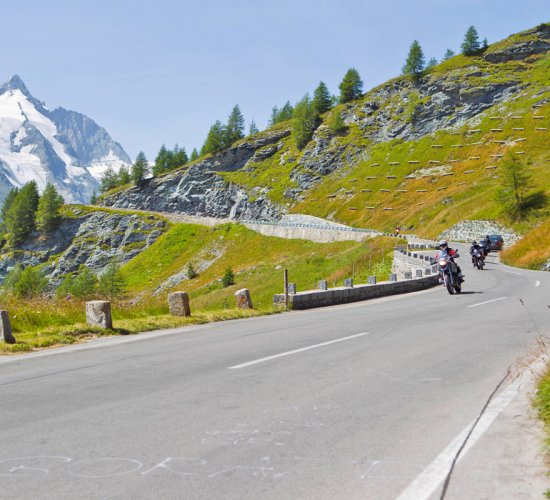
[344,295]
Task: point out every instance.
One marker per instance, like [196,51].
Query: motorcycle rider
[445,251]
[487,243]
[475,246]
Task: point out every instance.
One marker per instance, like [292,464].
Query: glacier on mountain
[61,146]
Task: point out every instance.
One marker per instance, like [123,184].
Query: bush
[228,278]
[81,286]
[25,283]
[191,273]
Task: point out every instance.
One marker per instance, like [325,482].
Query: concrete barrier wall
[317,235]
[344,295]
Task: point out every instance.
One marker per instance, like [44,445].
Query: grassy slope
[258,262]
[343,195]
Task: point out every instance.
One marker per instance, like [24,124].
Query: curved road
[349,402]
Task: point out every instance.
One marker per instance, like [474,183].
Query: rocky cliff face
[200,190]
[398,110]
[92,239]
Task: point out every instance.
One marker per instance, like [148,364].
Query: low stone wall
[345,295]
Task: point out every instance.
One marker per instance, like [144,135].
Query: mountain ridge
[63,147]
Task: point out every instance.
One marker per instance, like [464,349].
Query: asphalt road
[348,402]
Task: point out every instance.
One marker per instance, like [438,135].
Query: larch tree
[140,169]
[322,100]
[470,46]
[304,123]
[234,130]
[415,63]
[48,214]
[351,87]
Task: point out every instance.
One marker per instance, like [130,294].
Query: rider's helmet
[443,244]
[474,242]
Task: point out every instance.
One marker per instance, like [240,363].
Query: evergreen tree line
[415,65]
[135,174]
[25,210]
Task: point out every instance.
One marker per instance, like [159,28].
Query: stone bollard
[243,299]
[415,255]
[323,285]
[5,325]
[419,273]
[292,288]
[348,282]
[408,275]
[371,280]
[409,254]
[428,272]
[393,277]
[178,303]
[98,313]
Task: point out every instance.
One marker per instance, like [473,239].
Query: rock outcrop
[92,239]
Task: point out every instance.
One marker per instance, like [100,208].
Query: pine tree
[194,155]
[414,65]
[448,54]
[47,215]
[281,115]
[140,169]
[215,140]
[109,180]
[431,63]
[28,282]
[304,123]
[93,198]
[484,45]
[252,129]
[123,176]
[111,282]
[274,116]
[234,129]
[351,86]
[161,161]
[470,46]
[322,101]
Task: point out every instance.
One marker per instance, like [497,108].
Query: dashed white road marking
[487,302]
[537,284]
[295,351]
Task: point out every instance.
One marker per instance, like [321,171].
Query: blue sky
[163,71]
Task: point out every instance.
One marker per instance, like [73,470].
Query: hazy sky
[163,71]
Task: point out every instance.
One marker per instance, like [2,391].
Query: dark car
[496,242]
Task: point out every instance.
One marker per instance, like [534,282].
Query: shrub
[228,278]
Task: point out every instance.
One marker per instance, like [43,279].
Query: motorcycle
[478,258]
[448,273]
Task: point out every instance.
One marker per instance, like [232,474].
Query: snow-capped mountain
[63,147]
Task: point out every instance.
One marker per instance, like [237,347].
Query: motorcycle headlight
[442,262]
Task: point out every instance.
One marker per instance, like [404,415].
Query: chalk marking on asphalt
[487,302]
[537,284]
[296,351]
[434,474]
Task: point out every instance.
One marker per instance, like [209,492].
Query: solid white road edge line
[295,351]
[487,302]
[433,475]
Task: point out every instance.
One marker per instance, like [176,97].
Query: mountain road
[368,400]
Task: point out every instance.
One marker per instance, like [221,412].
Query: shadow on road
[467,292]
